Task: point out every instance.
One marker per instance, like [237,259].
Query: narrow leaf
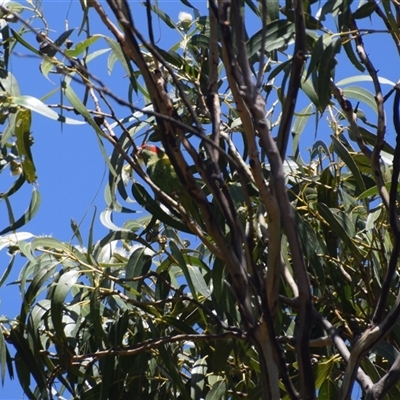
[24,142]
[81,46]
[340,227]
[348,159]
[361,94]
[34,104]
[27,216]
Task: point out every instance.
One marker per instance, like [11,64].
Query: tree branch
[380,388]
[295,79]
[393,217]
[362,378]
[151,344]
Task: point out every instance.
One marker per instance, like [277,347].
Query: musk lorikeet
[162,173]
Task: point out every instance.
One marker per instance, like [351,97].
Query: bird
[161,171]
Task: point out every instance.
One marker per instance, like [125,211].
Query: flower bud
[185,20]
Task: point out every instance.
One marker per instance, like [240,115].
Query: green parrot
[162,173]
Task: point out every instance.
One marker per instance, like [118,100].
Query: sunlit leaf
[361,94]
[364,78]
[24,143]
[58,295]
[138,265]
[81,46]
[199,372]
[34,104]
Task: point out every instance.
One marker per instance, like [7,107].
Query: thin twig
[261,66]
[153,344]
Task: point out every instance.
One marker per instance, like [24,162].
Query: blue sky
[71,171]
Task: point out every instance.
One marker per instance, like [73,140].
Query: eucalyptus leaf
[38,106]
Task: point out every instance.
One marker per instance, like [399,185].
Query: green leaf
[308,88]
[81,46]
[146,201]
[81,109]
[200,40]
[118,183]
[372,218]
[361,94]
[26,363]
[34,104]
[24,142]
[328,390]
[187,4]
[165,17]
[178,325]
[59,42]
[47,242]
[323,370]
[326,72]
[106,220]
[24,43]
[370,369]
[370,138]
[76,231]
[96,54]
[14,187]
[279,35]
[46,66]
[198,280]
[15,7]
[118,54]
[3,358]
[138,264]
[309,243]
[197,382]
[348,159]
[271,7]
[218,390]
[5,275]
[348,48]
[9,132]
[317,53]
[391,18]
[9,83]
[96,317]
[120,235]
[27,216]
[179,259]
[285,66]
[45,272]
[298,127]
[364,78]
[58,295]
[311,21]
[372,191]
[364,10]
[384,349]
[340,224]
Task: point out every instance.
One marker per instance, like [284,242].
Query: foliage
[287,286]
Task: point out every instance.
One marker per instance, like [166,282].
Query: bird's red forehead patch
[150,147]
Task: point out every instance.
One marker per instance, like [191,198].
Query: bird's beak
[138,154]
